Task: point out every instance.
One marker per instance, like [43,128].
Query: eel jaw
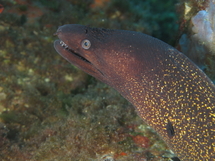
[66,47]
[76,59]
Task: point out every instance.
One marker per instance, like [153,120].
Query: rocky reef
[197,42]
[50,110]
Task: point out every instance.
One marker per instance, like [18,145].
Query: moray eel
[170,93]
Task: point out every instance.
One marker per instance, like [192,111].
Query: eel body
[170,93]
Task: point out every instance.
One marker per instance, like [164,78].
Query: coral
[198,41]
[204,26]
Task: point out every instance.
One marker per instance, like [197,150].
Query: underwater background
[51,110]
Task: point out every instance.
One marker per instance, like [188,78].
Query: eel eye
[85,44]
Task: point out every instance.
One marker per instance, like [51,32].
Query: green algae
[9,117]
[23,8]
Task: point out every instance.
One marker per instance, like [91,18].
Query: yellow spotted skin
[188,104]
[170,93]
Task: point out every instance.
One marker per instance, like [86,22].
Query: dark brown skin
[170,93]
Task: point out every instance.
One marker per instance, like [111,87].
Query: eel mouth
[66,47]
[86,66]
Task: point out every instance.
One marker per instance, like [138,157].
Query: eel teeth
[63,44]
